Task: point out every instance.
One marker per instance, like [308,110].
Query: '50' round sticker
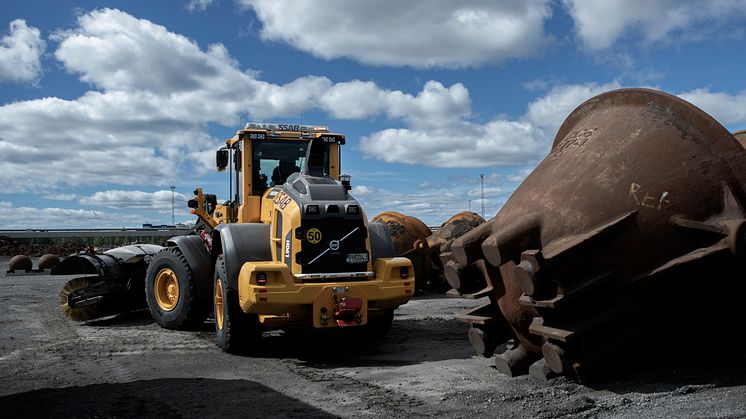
[313,235]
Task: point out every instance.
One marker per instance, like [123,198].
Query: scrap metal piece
[20,263]
[741,137]
[629,233]
[409,235]
[440,243]
[48,261]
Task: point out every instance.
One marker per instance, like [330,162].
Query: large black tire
[379,326]
[236,332]
[186,307]
[381,243]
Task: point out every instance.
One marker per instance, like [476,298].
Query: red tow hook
[348,311]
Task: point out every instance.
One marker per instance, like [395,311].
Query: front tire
[172,292]
[236,332]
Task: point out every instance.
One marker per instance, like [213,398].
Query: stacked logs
[628,237]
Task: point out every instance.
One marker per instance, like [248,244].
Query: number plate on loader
[357,258]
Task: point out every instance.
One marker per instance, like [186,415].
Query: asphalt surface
[128,366]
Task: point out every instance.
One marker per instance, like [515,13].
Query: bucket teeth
[441,241]
[468,248]
[509,242]
[516,361]
[540,371]
[630,233]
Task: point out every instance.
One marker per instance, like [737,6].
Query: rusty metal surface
[440,242]
[741,137]
[414,240]
[48,261]
[630,232]
[409,235]
[20,263]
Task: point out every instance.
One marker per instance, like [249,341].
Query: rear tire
[236,332]
[173,293]
[379,326]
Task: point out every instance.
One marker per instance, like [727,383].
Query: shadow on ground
[167,398]
[133,318]
[409,342]
[682,375]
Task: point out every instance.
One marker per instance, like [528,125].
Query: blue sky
[104,105]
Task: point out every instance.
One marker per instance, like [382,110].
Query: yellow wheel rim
[166,289]
[219,303]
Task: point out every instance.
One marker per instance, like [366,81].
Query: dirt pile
[11,247]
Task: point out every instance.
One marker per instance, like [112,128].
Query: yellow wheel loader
[291,248]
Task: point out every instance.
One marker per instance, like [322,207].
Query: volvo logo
[334,245]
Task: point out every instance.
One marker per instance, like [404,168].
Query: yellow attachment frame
[283,293]
[201,210]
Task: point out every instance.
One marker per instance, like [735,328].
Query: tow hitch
[348,311]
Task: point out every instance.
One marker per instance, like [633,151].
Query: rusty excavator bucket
[440,243]
[628,238]
[414,240]
[741,137]
[409,235]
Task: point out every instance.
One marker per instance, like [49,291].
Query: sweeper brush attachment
[77,302]
[113,282]
[628,238]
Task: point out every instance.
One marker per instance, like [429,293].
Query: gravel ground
[128,366]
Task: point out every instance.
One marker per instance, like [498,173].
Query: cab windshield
[273,161]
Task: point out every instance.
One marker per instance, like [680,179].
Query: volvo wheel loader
[291,248]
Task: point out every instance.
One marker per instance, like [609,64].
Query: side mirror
[221,159]
[345,181]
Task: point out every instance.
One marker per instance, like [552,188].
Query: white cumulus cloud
[725,107]
[549,111]
[138,200]
[435,105]
[199,5]
[499,142]
[434,203]
[153,93]
[496,143]
[13,217]
[20,53]
[599,23]
[438,33]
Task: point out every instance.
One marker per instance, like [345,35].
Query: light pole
[470,205]
[173,213]
[481,178]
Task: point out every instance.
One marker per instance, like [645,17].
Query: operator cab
[272,153]
[274,160]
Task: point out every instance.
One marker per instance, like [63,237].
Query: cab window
[274,161]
